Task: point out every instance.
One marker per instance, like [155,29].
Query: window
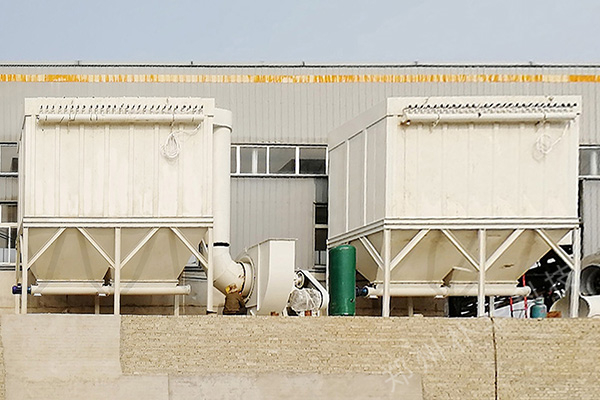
[9,166]
[589,161]
[9,212]
[278,160]
[321,214]
[233,167]
[282,160]
[9,161]
[312,160]
[253,160]
[8,237]
[320,234]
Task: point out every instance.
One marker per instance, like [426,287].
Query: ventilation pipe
[429,291]
[225,270]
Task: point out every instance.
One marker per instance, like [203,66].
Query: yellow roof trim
[411,78]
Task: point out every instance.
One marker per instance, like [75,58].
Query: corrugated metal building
[282,114]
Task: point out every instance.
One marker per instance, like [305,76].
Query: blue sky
[270,31]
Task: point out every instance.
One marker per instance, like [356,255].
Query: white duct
[460,118]
[432,291]
[109,290]
[590,280]
[589,306]
[225,270]
[120,118]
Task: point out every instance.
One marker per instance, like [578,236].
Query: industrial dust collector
[437,194]
[115,193]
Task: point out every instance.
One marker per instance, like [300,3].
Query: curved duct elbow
[589,306]
[226,270]
[590,280]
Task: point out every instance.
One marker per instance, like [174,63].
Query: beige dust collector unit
[118,193]
[115,193]
[454,196]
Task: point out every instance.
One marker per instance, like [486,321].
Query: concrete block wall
[455,358]
[548,359]
[158,357]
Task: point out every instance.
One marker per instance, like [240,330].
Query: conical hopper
[528,248]
[435,259]
[161,259]
[71,257]
[430,261]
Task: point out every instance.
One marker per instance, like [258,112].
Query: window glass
[320,258]
[4,238]
[312,160]
[253,160]
[8,158]
[589,160]
[9,213]
[7,245]
[282,160]
[13,239]
[233,164]
[321,239]
[321,214]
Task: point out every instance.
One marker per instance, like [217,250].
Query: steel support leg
[24,269]
[576,273]
[481,286]
[385,304]
[210,274]
[117,296]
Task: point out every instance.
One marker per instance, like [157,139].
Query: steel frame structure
[386,261]
[115,261]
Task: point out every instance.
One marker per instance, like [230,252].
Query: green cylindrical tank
[342,280]
[539,308]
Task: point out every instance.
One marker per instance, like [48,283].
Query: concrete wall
[442,351]
[157,357]
[550,359]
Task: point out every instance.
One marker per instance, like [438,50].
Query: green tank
[342,280]
[539,308]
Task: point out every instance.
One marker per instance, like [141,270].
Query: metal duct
[431,291]
[225,270]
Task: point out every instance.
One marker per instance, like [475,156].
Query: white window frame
[268,147]
[594,162]
[10,144]
[319,226]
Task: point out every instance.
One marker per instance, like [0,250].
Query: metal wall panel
[292,104]
[265,208]
[9,188]
[491,169]
[590,214]
[105,169]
